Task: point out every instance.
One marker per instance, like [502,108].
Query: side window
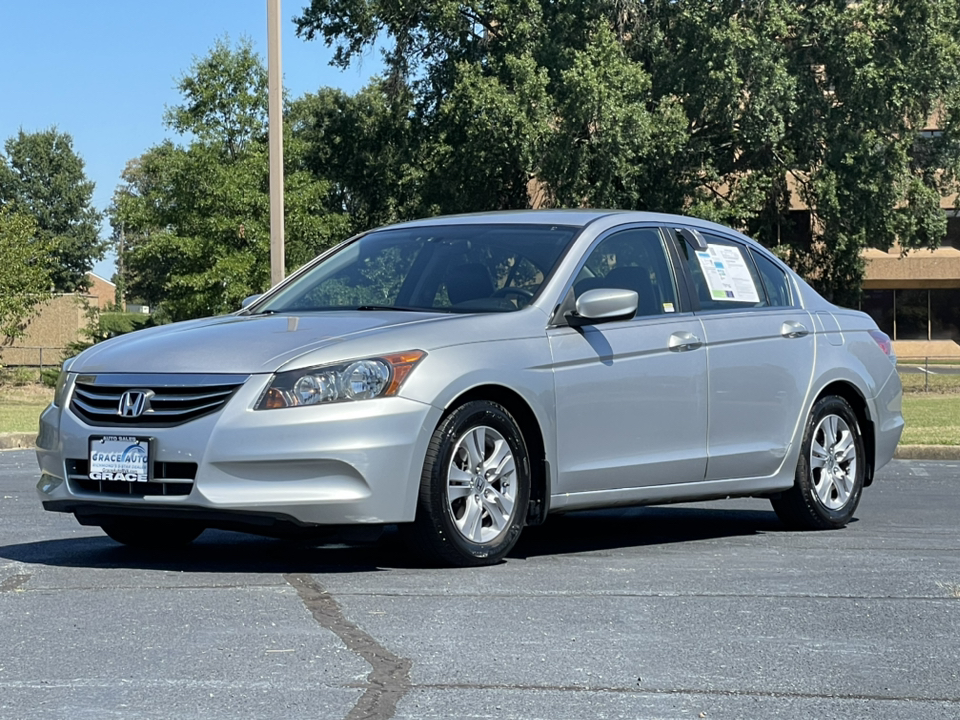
[632,260]
[774,281]
[724,276]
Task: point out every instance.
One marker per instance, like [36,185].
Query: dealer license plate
[119,458]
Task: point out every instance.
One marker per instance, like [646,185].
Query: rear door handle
[791,329]
[683,341]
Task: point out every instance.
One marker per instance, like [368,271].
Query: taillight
[885,343]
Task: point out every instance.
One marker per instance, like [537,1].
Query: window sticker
[727,274]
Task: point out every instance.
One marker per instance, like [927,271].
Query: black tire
[152,533]
[447,529]
[830,471]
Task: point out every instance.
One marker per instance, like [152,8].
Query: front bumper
[339,464]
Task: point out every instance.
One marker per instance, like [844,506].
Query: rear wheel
[830,471]
[152,533]
[474,488]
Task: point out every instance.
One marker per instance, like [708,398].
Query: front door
[630,395]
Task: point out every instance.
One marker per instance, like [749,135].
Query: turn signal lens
[402,364]
[273,399]
[355,380]
[60,390]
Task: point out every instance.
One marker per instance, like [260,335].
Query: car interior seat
[636,278]
[468,282]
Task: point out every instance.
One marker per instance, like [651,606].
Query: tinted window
[453,268]
[878,304]
[774,281]
[632,260]
[912,311]
[945,314]
[724,276]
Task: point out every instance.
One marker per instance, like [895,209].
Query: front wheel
[474,488]
[156,534]
[830,471]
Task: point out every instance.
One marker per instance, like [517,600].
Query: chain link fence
[31,357]
[929,374]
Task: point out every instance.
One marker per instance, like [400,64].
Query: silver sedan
[463,377]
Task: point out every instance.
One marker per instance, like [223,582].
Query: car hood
[237,343]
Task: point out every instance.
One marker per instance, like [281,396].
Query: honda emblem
[133,403]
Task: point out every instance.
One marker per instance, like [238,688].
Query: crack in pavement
[562,595]
[14,582]
[389,677]
[684,691]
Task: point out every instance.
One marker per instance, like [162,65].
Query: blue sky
[104,70]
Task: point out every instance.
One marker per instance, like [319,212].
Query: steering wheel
[524,296]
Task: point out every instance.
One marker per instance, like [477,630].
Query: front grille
[168,400]
[169,478]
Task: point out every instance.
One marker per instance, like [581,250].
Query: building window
[912,314]
[952,238]
[945,314]
[919,314]
[878,304]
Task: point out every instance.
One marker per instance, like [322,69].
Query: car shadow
[218,551]
[600,530]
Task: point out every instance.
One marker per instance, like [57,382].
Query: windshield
[450,268]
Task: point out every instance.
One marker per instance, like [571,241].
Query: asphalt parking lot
[709,610]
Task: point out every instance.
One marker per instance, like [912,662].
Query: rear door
[760,354]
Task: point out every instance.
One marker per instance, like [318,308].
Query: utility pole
[118,296]
[275,115]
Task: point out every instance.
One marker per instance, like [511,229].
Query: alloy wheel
[833,462]
[481,484]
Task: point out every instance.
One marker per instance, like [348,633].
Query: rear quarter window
[774,281]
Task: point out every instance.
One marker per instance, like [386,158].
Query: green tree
[42,176]
[726,110]
[224,99]
[194,218]
[365,145]
[25,273]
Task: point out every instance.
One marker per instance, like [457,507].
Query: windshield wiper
[391,307]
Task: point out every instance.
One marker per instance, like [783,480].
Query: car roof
[573,217]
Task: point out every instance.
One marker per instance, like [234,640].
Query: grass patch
[921,382]
[21,405]
[931,419]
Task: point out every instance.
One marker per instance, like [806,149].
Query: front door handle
[791,329]
[683,341]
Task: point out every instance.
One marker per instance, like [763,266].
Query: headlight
[58,393]
[354,380]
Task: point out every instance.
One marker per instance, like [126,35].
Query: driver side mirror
[602,305]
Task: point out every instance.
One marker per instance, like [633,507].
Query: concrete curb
[16,441]
[927,452]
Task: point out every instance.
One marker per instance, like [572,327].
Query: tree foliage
[731,110]
[41,176]
[224,99]
[193,219]
[25,273]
